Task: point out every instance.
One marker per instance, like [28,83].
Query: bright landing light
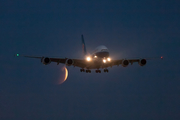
[88,59]
[109,59]
[104,61]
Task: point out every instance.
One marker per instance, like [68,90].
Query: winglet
[83,45]
[17,55]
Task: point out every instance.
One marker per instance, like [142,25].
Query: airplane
[99,59]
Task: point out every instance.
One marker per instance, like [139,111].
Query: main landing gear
[88,71]
[106,70]
[97,71]
[83,70]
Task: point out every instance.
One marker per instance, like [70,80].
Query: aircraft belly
[96,65]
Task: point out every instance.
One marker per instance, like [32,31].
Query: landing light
[88,59]
[95,56]
[104,61]
[109,59]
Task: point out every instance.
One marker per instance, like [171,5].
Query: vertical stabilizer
[83,46]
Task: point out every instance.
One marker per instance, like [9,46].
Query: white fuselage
[101,52]
[99,56]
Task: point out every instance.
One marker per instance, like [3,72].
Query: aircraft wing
[76,62]
[90,65]
[120,61]
[93,65]
[125,62]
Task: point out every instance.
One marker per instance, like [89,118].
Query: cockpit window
[104,50]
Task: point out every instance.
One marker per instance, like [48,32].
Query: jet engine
[46,60]
[69,62]
[125,63]
[142,62]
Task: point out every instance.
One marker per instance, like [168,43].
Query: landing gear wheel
[82,70]
[106,70]
[88,71]
[98,71]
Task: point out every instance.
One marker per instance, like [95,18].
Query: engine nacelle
[69,62]
[142,62]
[125,63]
[45,60]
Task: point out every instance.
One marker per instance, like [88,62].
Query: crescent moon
[66,74]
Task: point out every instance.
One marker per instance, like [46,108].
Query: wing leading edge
[82,63]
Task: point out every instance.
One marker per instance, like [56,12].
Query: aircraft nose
[102,54]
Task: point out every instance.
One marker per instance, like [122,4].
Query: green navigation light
[17,55]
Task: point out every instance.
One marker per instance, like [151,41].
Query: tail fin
[83,45]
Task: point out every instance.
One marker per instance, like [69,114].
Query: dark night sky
[134,28]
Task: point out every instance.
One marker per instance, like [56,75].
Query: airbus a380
[99,59]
